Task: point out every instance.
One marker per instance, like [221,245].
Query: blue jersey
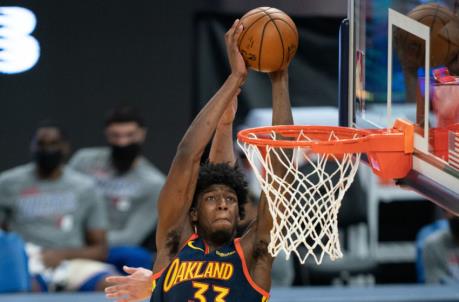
[197,275]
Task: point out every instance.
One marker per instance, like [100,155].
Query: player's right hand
[131,288]
[236,61]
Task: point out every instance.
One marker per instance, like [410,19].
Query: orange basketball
[269,39]
[444,41]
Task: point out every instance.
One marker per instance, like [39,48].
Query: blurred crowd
[83,218]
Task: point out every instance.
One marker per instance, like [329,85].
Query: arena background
[165,57]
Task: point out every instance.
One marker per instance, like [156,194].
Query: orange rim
[389,151]
[346,140]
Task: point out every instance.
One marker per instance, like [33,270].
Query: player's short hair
[124,114]
[222,174]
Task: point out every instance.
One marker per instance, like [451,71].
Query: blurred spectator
[130,184]
[441,254]
[60,215]
[282,273]
[421,237]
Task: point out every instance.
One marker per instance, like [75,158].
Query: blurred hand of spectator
[52,258]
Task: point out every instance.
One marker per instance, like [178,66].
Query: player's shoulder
[92,153]
[16,173]
[150,172]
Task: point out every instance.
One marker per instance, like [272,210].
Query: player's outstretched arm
[256,240]
[222,149]
[176,196]
[281,115]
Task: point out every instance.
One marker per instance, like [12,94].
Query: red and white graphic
[30,191]
[65,223]
[122,204]
[453,147]
[443,76]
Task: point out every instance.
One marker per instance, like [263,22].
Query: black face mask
[48,161]
[454,227]
[124,156]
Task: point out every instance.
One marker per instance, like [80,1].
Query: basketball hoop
[319,164]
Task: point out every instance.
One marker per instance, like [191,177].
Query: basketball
[269,39]
[444,44]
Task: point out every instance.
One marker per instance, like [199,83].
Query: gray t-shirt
[130,198]
[51,214]
[441,258]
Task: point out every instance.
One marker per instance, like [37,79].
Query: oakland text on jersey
[181,271]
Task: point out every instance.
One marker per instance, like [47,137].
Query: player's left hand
[131,288]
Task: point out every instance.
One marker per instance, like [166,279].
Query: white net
[305,200]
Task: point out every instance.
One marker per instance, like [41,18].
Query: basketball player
[198,257]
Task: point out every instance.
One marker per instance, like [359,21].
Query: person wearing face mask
[60,215]
[441,254]
[130,184]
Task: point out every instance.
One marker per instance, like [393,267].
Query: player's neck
[215,242]
[51,176]
[213,247]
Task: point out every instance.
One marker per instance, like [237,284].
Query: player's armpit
[257,259]
[175,198]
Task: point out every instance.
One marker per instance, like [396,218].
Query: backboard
[403,57]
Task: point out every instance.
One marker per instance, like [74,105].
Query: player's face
[48,139]
[49,150]
[123,134]
[218,210]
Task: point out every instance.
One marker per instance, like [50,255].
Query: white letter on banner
[18,50]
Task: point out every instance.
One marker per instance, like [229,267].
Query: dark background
[164,57]
[167,58]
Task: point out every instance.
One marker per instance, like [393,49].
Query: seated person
[441,254]
[60,216]
[130,185]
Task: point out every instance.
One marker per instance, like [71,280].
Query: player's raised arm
[222,149]
[256,240]
[281,115]
[176,196]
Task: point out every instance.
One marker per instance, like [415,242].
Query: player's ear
[143,134]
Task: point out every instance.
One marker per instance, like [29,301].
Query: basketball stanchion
[304,203]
